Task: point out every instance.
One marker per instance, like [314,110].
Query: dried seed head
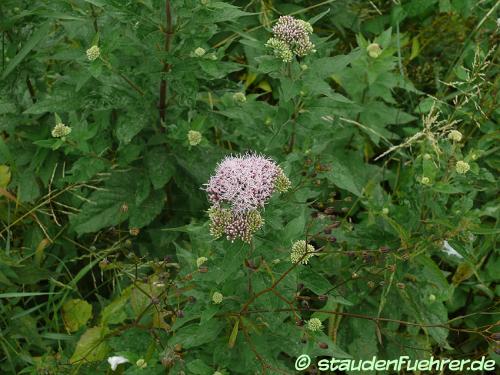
[134,231]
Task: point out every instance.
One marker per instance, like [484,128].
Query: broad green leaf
[160,166]
[114,313]
[76,313]
[92,346]
[39,34]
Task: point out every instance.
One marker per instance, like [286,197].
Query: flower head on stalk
[240,187]
[291,38]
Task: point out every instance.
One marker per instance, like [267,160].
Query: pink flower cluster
[290,30]
[244,182]
[240,187]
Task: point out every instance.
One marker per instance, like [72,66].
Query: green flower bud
[217,298]
[374,50]
[93,53]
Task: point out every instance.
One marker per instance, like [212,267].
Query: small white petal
[116,360]
[450,250]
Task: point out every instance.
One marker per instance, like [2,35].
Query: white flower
[455,136]
[194,137]
[199,52]
[462,167]
[301,252]
[314,325]
[116,360]
[93,53]
[217,298]
[200,261]
[141,363]
[450,250]
[385,211]
[60,130]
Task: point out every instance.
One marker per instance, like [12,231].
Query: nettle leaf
[160,166]
[144,213]
[129,126]
[351,174]
[222,11]
[295,229]
[115,203]
[104,208]
[197,334]
[28,188]
[76,313]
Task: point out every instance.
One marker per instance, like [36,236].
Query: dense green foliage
[388,133]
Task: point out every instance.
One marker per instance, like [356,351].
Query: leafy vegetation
[115,114]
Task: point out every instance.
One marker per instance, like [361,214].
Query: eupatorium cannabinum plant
[240,187]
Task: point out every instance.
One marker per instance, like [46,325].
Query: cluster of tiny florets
[462,167]
[239,97]
[240,187]
[291,38]
[455,136]
[244,182]
[314,325]
[60,130]
[301,252]
[217,298]
[194,137]
[243,225]
[199,52]
[93,53]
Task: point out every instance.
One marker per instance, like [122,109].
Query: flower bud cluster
[60,130]
[240,187]
[291,38]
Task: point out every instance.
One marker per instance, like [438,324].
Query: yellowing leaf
[464,271]
[4,176]
[91,347]
[76,313]
[265,86]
